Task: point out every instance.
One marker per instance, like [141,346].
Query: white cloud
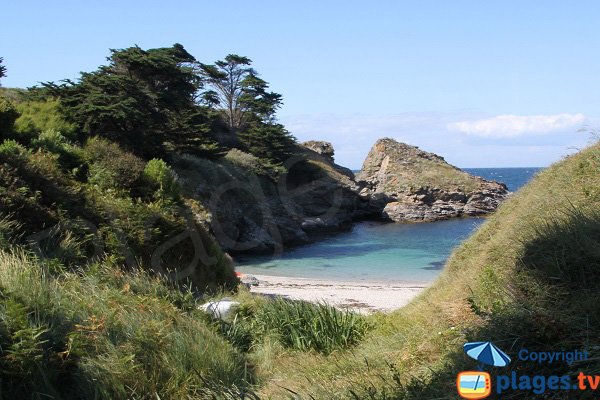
[512,126]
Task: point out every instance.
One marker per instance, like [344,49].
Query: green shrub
[162,177]
[11,149]
[304,326]
[70,157]
[51,140]
[112,167]
[244,160]
[8,115]
[251,163]
[26,348]
[40,116]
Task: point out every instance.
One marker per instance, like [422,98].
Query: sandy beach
[364,297]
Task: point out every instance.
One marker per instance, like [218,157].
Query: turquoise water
[374,251]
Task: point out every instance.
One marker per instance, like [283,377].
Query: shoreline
[362,297]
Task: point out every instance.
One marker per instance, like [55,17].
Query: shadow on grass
[552,305]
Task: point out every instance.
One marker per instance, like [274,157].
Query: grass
[527,278]
[107,334]
[432,174]
[305,326]
[103,333]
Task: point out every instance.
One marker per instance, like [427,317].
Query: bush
[69,156]
[11,149]
[304,326]
[8,115]
[51,140]
[244,160]
[259,166]
[162,177]
[112,167]
[40,116]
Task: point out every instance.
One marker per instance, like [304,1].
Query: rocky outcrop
[412,185]
[249,211]
[252,210]
[320,147]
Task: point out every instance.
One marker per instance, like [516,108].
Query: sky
[484,84]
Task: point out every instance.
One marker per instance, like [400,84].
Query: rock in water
[414,185]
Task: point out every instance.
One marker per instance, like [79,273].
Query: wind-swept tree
[248,108]
[145,99]
[236,89]
[2,69]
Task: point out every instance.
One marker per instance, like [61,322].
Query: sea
[382,252]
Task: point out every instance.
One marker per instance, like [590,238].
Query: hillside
[74,204]
[118,194]
[413,185]
[528,278]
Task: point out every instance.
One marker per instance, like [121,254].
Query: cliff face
[413,185]
[248,211]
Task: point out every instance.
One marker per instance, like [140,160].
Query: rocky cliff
[412,185]
[248,210]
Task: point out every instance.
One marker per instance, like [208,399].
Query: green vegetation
[106,334]
[2,68]
[88,163]
[305,326]
[162,178]
[104,257]
[295,325]
[528,278]
[8,114]
[42,116]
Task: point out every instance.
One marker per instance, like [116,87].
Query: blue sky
[496,83]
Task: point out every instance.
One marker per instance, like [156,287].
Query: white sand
[364,297]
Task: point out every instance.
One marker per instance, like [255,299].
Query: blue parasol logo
[487,353]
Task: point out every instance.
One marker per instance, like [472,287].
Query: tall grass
[305,326]
[106,334]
